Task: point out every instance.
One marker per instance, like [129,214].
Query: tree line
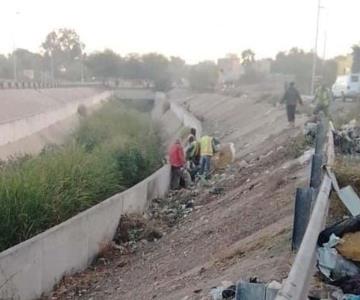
[62,56]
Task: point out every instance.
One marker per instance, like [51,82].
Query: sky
[192,29]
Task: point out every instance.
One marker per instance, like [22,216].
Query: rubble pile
[347,138]
[135,229]
[338,258]
[179,204]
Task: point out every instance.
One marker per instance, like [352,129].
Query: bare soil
[243,233]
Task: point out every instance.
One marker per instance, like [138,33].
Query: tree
[104,64]
[203,76]
[299,63]
[248,57]
[329,71]
[5,67]
[26,60]
[156,69]
[356,59]
[177,68]
[131,67]
[62,47]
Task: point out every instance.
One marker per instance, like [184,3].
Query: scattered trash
[351,297]
[216,293]
[347,139]
[331,264]
[326,291]
[349,284]
[226,291]
[258,291]
[274,285]
[334,266]
[178,205]
[243,164]
[229,293]
[310,129]
[339,229]
[217,191]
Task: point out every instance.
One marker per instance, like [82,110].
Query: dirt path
[241,233]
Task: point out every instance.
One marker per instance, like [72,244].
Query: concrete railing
[162,103]
[297,284]
[33,267]
[11,131]
[187,119]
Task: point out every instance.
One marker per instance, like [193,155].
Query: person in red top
[177,162]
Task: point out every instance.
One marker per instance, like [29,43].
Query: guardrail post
[316,167]
[303,202]
[320,138]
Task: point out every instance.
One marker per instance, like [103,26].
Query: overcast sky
[193,29]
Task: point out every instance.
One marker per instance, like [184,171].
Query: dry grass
[341,118]
[298,145]
[347,171]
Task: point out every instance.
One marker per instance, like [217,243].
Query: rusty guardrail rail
[296,286]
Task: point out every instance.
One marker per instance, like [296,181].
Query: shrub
[111,150]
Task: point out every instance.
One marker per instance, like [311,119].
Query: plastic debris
[333,265]
[347,139]
[339,229]
[351,297]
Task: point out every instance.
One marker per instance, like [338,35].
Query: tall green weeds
[112,149]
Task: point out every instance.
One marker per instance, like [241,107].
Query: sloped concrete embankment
[173,117]
[23,127]
[33,267]
[33,119]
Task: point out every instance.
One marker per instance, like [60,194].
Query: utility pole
[14,63]
[315,49]
[14,60]
[82,67]
[325,45]
[52,71]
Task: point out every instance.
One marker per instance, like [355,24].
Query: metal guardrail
[297,284]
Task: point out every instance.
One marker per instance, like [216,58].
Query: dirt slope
[240,233]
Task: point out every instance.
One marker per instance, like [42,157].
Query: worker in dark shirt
[291,98]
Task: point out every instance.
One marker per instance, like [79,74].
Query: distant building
[230,69]
[344,64]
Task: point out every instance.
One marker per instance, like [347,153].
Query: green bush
[111,150]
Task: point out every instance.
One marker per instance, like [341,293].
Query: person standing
[192,154]
[322,99]
[177,163]
[207,150]
[291,98]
